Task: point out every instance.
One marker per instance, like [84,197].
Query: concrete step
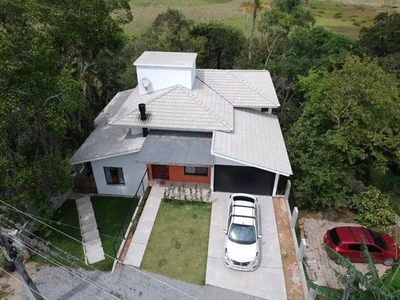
[94,256]
[90,235]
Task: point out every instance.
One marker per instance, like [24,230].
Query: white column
[212,179]
[275,184]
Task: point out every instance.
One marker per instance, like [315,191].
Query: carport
[237,179]
[252,158]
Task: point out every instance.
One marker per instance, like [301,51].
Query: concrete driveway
[268,280]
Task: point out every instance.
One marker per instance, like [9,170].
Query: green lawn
[334,15]
[345,18]
[178,243]
[110,215]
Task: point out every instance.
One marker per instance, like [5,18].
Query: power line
[67,254]
[54,261]
[137,270]
[23,283]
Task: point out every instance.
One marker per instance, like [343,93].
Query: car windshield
[335,237]
[378,240]
[242,234]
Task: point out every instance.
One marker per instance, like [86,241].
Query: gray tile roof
[179,108]
[177,148]
[256,141]
[242,88]
[166,59]
[108,141]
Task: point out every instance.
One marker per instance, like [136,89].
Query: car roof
[243,212]
[352,234]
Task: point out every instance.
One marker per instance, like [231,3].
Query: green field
[338,16]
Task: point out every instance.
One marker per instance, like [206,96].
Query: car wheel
[388,261]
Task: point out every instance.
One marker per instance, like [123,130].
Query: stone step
[90,235]
[94,256]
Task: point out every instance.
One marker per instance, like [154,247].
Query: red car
[347,242]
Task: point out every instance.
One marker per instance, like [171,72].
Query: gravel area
[125,283]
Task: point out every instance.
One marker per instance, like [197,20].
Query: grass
[178,243]
[110,214]
[345,18]
[338,16]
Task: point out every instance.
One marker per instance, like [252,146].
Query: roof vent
[142,109]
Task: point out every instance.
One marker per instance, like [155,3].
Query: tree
[223,45]
[383,41]
[364,286]
[254,7]
[51,86]
[349,122]
[170,31]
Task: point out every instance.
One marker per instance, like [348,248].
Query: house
[184,124]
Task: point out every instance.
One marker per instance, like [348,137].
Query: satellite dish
[145,82]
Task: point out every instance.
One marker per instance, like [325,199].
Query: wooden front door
[160,171]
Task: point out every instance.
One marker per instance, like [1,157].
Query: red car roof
[351,234]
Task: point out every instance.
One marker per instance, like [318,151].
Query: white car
[242,244]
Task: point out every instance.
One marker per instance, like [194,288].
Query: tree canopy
[51,86]
[342,133]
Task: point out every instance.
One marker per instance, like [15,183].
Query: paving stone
[94,256]
[90,236]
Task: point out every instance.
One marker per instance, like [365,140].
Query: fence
[85,185]
[122,233]
[300,249]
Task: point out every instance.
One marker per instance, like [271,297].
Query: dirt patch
[291,269]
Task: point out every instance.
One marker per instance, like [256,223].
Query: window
[355,247]
[200,171]
[373,249]
[114,175]
[335,237]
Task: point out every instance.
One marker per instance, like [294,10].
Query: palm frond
[325,291]
[372,272]
[391,279]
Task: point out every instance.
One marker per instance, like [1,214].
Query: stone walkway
[142,233]
[90,235]
[320,267]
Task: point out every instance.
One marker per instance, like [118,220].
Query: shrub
[338,15]
[373,208]
[356,23]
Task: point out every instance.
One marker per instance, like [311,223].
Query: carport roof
[177,148]
[256,141]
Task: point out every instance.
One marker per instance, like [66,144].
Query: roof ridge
[214,89]
[192,96]
[168,90]
[230,72]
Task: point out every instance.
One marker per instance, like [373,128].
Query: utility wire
[55,254]
[137,270]
[24,284]
[66,253]
[54,261]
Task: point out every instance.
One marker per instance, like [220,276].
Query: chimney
[142,109]
[143,117]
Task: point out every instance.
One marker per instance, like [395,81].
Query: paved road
[125,283]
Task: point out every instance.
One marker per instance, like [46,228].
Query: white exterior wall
[133,173]
[165,77]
